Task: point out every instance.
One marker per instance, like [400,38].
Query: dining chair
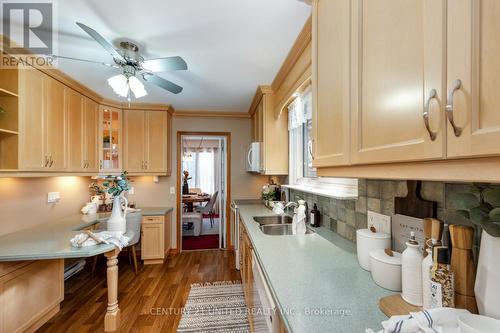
[209,208]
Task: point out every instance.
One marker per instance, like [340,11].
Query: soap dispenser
[411,271]
[315,216]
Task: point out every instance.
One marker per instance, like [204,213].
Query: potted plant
[268,193]
[116,186]
[482,208]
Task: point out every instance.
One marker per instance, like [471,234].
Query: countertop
[51,240]
[315,279]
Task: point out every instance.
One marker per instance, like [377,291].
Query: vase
[487,286]
[117,221]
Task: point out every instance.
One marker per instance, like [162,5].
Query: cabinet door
[91,115]
[169,145]
[331,90]
[74,105]
[55,131]
[473,49]
[32,109]
[156,141]
[398,52]
[110,140]
[134,143]
[152,242]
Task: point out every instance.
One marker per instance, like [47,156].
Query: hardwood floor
[144,299]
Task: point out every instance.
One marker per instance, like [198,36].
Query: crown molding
[210,114]
[298,48]
[261,91]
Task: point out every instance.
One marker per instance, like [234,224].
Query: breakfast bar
[23,251]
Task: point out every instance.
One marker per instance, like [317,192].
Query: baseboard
[45,318]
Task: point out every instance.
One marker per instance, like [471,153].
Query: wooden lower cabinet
[30,293]
[155,238]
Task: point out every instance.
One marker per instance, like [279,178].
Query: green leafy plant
[117,185]
[96,189]
[268,192]
[481,207]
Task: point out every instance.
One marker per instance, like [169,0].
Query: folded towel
[440,320]
[106,237]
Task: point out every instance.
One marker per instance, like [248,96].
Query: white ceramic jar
[386,270]
[411,272]
[366,241]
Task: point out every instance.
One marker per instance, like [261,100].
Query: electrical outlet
[132,190]
[53,197]
[381,222]
[172,189]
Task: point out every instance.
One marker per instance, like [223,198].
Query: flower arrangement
[268,192]
[115,186]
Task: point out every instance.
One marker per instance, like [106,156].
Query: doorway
[203,190]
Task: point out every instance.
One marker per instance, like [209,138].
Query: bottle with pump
[411,271]
[315,216]
[442,280]
[427,264]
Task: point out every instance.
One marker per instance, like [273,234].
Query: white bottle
[426,279]
[301,218]
[411,271]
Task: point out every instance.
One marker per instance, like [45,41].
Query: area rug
[202,242]
[217,307]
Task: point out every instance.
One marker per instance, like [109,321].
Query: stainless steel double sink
[278,225]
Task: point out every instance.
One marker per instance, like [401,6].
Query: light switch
[172,189]
[381,222]
[53,197]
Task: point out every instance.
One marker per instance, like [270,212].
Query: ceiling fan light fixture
[137,87]
[120,84]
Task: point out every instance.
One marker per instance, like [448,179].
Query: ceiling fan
[128,59]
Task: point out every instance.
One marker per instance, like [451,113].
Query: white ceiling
[230,46]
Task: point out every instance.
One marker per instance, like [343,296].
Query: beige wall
[23,201]
[243,184]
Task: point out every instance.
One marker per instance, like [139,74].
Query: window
[301,137]
[302,174]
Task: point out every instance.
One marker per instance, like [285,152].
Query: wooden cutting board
[394,305]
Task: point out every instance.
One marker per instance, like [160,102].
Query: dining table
[190,199]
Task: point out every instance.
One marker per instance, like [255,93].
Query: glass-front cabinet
[110,140]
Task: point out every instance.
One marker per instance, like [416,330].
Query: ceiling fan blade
[165,64]
[162,83]
[104,43]
[84,60]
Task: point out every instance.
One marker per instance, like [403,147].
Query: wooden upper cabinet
[473,58]
[75,144]
[331,90]
[110,140]
[398,47]
[157,144]
[146,141]
[55,134]
[90,135]
[134,140]
[169,147]
[32,85]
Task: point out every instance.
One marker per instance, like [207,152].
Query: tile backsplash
[346,216]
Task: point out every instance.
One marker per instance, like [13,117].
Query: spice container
[442,280]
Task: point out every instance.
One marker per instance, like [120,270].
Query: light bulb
[137,87]
[120,84]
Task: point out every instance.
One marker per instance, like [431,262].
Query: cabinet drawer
[152,219]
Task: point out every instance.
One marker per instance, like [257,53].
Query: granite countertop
[315,279]
[51,240]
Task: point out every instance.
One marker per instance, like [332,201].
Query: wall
[243,184]
[23,201]
[346,216]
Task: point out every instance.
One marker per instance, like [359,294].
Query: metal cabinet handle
[51,161]
[457,84]
[432,94]
[145,165]
[46,163]
[100,164]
